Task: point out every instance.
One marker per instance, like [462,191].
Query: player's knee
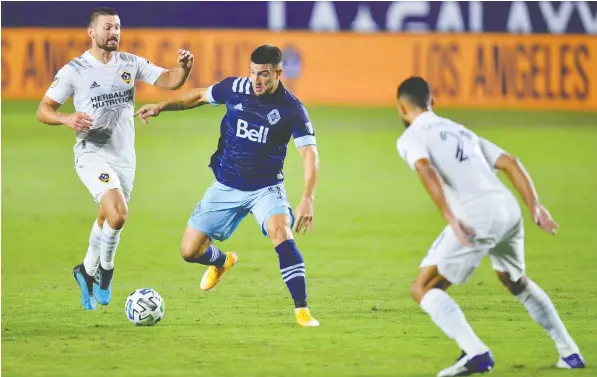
[122,215]
[426,282]
[278,228]
[193,246]
[515,287]
[417,291]
[114,208]
[189,254]
[117,217]
[189,251]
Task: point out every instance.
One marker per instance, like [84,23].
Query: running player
[457,169]
[261,116]
[102,85]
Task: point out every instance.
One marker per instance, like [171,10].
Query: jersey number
[460,156]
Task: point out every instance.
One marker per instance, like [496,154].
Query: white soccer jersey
[105,92]
[464,160]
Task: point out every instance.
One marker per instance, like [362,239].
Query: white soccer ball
[144,307]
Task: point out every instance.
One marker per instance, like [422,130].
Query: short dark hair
[416,90]
[267,54]
[102,11]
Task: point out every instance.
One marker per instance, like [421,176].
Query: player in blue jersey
[261,117]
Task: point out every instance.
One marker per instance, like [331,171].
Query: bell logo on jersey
[126,77]
[243,131]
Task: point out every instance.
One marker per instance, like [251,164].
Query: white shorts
[502,238]
[99,176]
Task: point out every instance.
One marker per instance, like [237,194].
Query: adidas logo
[239,107]
[94,85]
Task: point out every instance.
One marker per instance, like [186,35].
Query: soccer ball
[144,307]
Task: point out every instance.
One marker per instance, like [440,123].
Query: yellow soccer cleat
[212,276]
[304,318]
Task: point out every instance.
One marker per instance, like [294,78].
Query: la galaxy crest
[104,177]
[126,77]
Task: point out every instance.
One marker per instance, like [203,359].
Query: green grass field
[373,225]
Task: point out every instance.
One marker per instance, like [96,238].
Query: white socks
[448,316]
[542,311]
[110,239]
[92,258]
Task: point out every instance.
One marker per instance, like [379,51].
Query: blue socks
[292,269]
[212,257]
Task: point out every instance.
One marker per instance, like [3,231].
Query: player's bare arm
[523,183]
[304,211]
[188,100]
[174,79]
[47,113]
[432,182]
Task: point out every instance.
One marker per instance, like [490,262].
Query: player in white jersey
[457,168]
[102,85]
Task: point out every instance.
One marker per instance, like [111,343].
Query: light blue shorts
[222,208]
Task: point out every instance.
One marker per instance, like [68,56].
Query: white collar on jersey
[424,117]
[91,59]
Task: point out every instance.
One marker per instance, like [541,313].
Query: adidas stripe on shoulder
[79,64]
[241,85]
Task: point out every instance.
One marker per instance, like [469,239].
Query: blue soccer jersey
[254,133]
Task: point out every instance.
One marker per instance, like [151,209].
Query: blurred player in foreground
[102,85]
[484,218]
[261,116]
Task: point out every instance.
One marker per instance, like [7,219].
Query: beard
[406,123]
[265,90]
[106,45]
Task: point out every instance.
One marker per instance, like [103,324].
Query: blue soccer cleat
[574,361]
[470,365]
[85,283]
[102,287]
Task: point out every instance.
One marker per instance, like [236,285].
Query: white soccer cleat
[469,365]
[454,370]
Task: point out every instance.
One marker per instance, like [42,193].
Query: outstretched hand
[151,110]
